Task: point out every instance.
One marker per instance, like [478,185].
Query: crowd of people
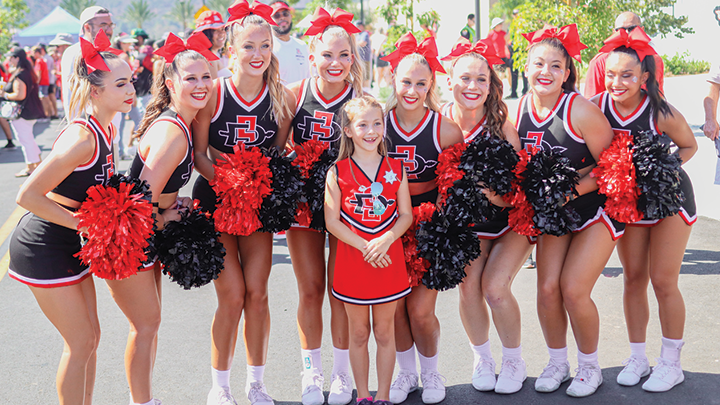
[245,84]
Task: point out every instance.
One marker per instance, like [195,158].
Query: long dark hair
[569,84]
[656,96]
[23,65]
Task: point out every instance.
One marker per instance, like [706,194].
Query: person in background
[710,104]
[382,68]
[43,75]
[51,111]
[140,36]
[468,31]
[595,75]
[61,42]
[4,124]
[515,71]
[498,37]
[124,43]
[364,53]
[143,77]
[212,25]
[291,52]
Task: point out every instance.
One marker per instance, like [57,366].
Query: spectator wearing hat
[211,24]
[468,31]
[498,36]
[291,52]
[143,77]
[364,48]
[61,42]
[140,36]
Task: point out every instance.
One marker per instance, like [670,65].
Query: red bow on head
[407,45]
[322,19]
[484,47]
[568,35]
[637,40]
[242,9]
[197,42]
[91,52]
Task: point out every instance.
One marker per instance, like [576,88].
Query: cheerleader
[333,53]
[552,116]
[477,107]
[417,133]
[651,250]
[165,161]
[254,109]
[367,207]
[43,247]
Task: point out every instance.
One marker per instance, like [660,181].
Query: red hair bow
[242,9]
[407,45]
[197,42]
[322,19]
[568,35]
[637,40]
[91,52]
[484,47]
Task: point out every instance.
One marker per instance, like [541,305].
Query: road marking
[5,231]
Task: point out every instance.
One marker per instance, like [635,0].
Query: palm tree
[221,6]
[138,12]
[76,7]
[182,12]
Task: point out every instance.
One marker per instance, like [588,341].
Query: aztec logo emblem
[245,130]
[108,169]
[320,127]
[364,203]
[414,164]
[534,140]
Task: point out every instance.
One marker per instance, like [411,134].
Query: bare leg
[633,249]
[473,310]
[339,328]
[307,251]
[384,331]
[359,320]
[551,252]
[423,322]
[230,290]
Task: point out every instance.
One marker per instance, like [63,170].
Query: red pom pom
[416,266]
[520,217]
[118,225]
[307,154]
[241,182]
[447,169]
[615,173]
[303,216]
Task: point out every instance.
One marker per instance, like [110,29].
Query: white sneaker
[220,396]
[587,379]
[404,384]
[433,387]
[483,378]
[665,375]
[513,373]
[257,394]
[312,385]
[552,376]
[636,367]
[157,401]
[341,389]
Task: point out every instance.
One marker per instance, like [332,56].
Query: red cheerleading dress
[355,280]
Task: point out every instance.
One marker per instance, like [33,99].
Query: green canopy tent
[44,31]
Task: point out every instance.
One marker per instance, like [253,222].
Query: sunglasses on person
[629,28]
[282,13]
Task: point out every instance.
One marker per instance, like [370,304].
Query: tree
[12,15]
[76,7]
[182,12]
[220,6]
[393,9]
[138,12]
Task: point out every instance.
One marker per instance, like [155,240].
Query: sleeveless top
[555,132]
[97,171]
[419,148]
[477,130]
[361,201]
[183,171]
[317,118]
[239,121]
[641,119]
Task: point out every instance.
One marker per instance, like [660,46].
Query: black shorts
[688,210]
[51,89]
[495,228]
[428,196]
[591,208]
[42,254]
[203,192]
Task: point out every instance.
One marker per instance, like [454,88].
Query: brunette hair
[656,96]
[347,114]
[82,81]
[355,77]
[23,64]
[160,93]
[569,84]
[432,100]
[280,107]
[495,108]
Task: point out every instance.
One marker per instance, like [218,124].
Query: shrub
[681,64]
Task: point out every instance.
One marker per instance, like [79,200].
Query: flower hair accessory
[637,40]
[483,47]
[242,9]
[567,35]
[197,42]
[322,19]
[91,52]
[407,45]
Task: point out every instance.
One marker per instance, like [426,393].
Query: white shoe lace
[257,393]
[485,365]
[224,398]
[552,370]
[584,372]
[403,382]
[432,380]
[632,364]
[345,381]
[663,368]
[315,382]
[509,367]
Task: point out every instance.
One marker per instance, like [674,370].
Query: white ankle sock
[255,374]
[428,363]
[588,358]
[311,359]
[481,351]
[671,349]
[637,349]
[341,360]
[406,360]
[512,353]
[558,356]
[221,378]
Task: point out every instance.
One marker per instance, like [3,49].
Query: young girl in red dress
[367,207]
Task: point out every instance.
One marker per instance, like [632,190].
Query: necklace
[376,189]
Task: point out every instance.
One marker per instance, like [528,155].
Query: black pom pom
[277,211]
[190,249]
[490,160]
[658,176]
[314,188]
